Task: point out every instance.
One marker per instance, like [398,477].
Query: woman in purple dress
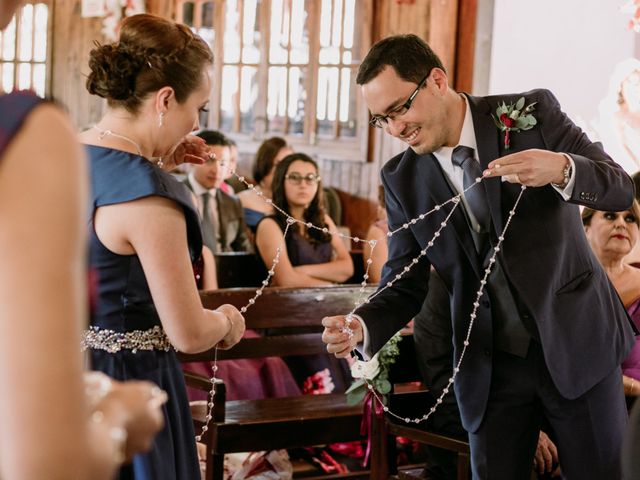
[312,257]
[612,236]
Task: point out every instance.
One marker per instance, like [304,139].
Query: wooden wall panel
[73,38]
[465,45]
[163,8]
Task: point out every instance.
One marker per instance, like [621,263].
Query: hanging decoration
[632,7]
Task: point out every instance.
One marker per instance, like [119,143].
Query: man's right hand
[337,340]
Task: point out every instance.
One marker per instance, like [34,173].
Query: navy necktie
[463,157]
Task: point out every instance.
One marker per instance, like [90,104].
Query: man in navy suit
[549,331]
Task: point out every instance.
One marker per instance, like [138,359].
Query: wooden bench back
[292,317]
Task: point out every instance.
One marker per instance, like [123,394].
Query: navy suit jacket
[558,282]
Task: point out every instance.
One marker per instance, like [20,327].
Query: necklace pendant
[103,133]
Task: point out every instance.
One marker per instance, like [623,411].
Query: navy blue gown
[124,304]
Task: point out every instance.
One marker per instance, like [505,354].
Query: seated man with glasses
[223,226]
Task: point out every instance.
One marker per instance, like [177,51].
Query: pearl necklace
[106,133]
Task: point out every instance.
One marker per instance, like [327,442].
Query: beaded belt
[96,338]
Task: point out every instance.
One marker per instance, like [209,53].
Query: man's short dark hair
[636,183]
[214,137]
[409,55]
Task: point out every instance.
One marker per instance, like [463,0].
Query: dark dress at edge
[124,304]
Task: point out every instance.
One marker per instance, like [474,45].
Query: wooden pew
[254,425]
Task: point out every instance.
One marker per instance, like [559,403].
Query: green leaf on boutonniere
[514,118]
[384,387]
[356,392]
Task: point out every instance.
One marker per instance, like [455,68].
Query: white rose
[367,370]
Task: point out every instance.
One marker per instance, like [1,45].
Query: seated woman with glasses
[312,256]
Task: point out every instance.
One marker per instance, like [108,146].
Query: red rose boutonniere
[513,118]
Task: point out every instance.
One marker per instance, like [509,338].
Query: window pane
[187,13]
[297,99]
[228,97]
[232,33]
[24,76]
[40,42]
[327,104]
[348,104]
[9,41]
[353,34]
[279,32]
[289,41]
[325,23]
[337,23]
[349,15]
[248,96]
[251,33]
[205,30]
[276,99]
[7,77]
[299,33]
[26,32]
[39,78]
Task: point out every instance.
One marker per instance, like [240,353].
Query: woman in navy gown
[144,231]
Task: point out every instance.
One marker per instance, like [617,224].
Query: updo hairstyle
[152,52]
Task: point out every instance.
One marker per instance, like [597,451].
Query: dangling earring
[160,163]
[160,119]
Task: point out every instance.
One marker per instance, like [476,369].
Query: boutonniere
[513,118]
[375,371]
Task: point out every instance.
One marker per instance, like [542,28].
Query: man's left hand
[533,168]
[546,457]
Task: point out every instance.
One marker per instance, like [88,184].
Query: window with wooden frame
[24,49]
[287,68]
